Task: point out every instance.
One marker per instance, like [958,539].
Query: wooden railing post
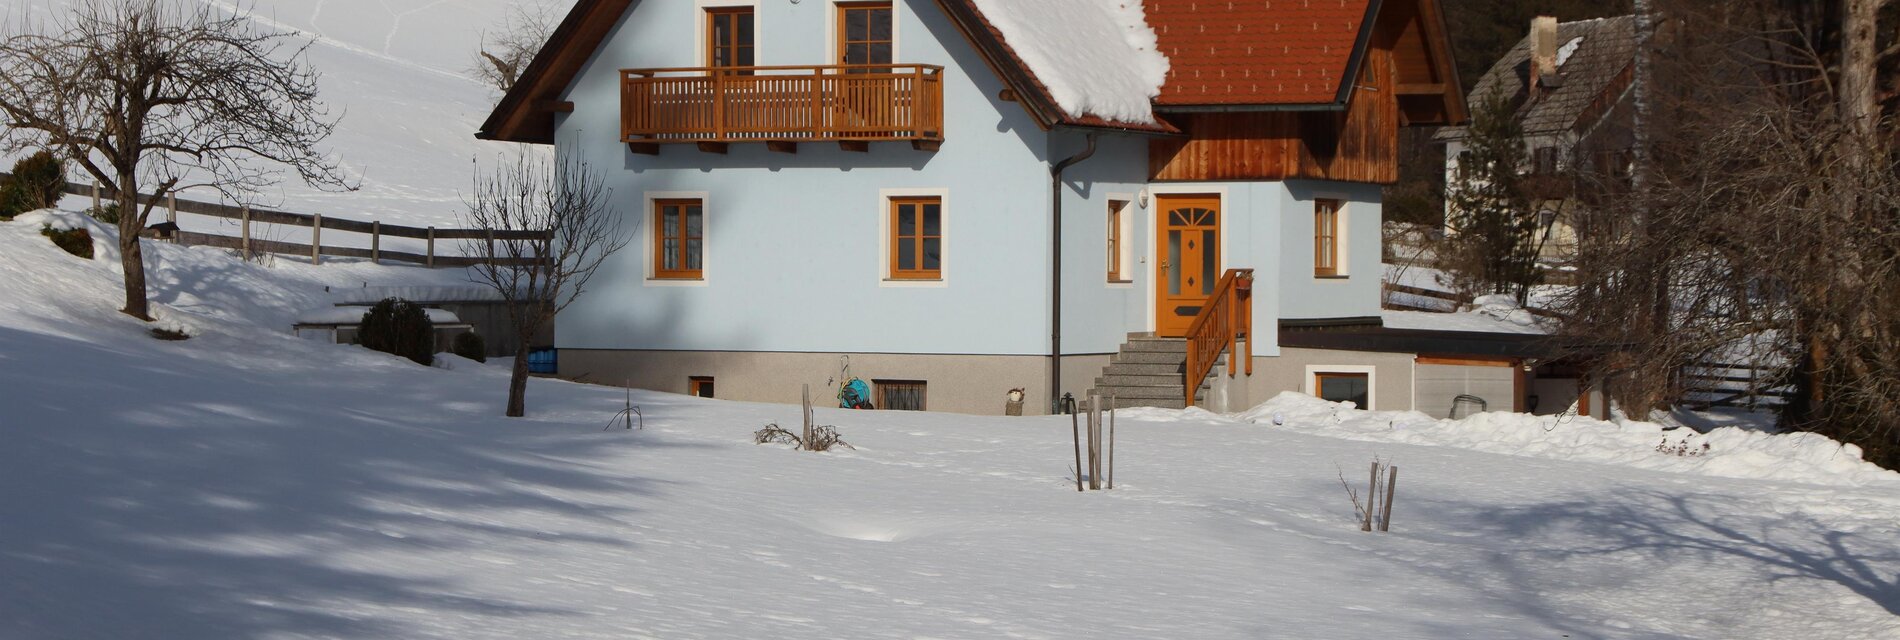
[171,208]
[95,195]
[316,239]
[491,246]
[244,242]
[817,104]
[376,242]
[719,106]
[429,259]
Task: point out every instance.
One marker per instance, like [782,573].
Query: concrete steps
[1147,373]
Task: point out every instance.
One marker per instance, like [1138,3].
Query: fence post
[491,246]
[245,235]
[429,260]
[95,195]
[376,242]
[316,239]
[171,208]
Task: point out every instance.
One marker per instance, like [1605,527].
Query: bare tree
[1771,218]
[163,96]
[552,229]
[507,52]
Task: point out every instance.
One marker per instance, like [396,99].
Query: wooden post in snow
[244,235]
[1075,436]
[376,242]
[171,208]
[95,195]
[316,239]
[491,246]
[1385,515]
[1110,441]
[1372,495]
[429,260]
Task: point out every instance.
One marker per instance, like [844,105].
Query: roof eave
[509,120]
[1360,45]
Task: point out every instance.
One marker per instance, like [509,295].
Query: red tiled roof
[1280,52]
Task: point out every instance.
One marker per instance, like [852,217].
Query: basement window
[1342,384]
[900,395]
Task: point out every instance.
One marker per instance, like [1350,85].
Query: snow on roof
[1569,48]
[425,294]
[1483,320]
[1097,57]
[353,314]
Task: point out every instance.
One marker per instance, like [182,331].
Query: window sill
[1332,277]
[676,282]
[920,283]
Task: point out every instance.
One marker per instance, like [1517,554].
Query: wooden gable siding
[1359,144]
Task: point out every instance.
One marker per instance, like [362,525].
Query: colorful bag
[854,394]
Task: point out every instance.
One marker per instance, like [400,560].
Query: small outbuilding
[339,324]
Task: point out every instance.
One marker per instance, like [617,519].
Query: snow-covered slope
[394,70]
[245,484]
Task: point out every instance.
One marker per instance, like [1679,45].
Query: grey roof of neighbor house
[1606,50]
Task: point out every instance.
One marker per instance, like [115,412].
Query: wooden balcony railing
[843,103]
[1223,322]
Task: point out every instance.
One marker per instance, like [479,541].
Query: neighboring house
[1572,84]
[956,198]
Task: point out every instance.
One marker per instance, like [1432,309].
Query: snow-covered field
[244,484]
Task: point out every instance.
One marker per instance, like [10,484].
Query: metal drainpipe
[1055,272]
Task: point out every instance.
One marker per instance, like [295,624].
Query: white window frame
[1127,244]
[700,28]
[651,199]
[884,197]
[1342,238]
[1372,380]
[831,30]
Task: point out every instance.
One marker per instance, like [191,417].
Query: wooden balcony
[852,105]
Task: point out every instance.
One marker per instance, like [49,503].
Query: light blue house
[957,198]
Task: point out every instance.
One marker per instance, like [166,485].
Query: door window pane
[1208,268]
[1174,262]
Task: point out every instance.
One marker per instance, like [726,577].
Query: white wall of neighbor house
[794,253]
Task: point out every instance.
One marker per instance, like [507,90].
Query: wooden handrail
[782,104]
[1224,320]
[894,68]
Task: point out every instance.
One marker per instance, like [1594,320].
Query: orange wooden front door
[1188,239]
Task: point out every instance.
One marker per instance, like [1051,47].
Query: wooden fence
[1717,384]
[315,249]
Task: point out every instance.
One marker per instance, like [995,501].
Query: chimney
[1543,54]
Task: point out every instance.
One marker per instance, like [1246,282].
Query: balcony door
[1188,239]
[729,38]
[864,33]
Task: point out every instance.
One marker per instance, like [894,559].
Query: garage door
[1435,387]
